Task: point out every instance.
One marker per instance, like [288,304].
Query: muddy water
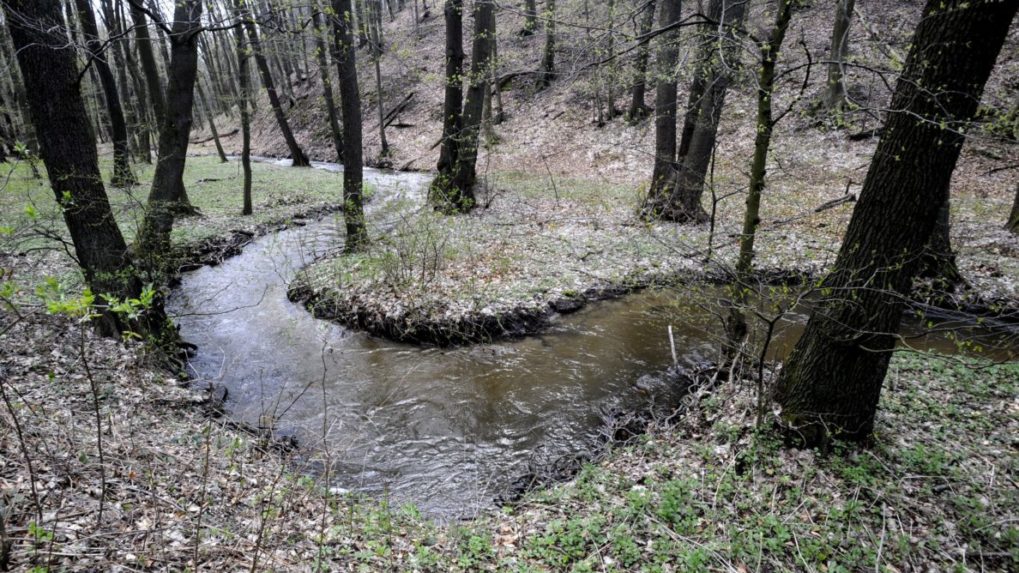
[446,429]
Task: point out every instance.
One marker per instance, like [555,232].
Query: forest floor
[179,488]
[183,489]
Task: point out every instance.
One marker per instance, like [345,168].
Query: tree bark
[831,382]
[464,170]
[638,109]
[68,148]
[452,107]
[148,60]
[167,192]
[834,99]
[660,191]
[547,71]
[327,83]
[297,155]
[244,96]
[122,174]
[350,107]
[209,113]
[704,111]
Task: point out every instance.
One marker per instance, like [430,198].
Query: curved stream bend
[446,429]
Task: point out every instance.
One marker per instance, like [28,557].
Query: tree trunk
[464,170]
[660,192]
[327,83]
[350,107]
[1013,217]
[244,96]
[938,259]
[834,99]
[700,126]
[452,107]
[638,109]
[211,120]
[122,175]
[298,156]
[547,72]
[737,326]
[375,49]
[68,148]
[167,193]
[530,18]
[831,382]
[148,60]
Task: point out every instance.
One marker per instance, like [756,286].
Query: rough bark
[638,109]
[68,149]
[375,49]
[700,125]
[296,154]
[660,191]
[452,107]
[831,383]
[122,174]
[167,192]
[350,108]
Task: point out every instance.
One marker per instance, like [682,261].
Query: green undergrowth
[31,223]
[935,491]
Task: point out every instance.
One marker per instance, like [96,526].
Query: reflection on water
[443,428]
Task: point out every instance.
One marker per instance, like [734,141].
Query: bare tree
[350,106]
[122,174]
[659,196]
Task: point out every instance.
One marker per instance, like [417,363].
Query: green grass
[214,187]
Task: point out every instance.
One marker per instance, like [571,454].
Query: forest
[509,285]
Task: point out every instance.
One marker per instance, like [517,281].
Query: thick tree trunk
[700,126]
[350,106]
[831,383]
[244,96]
[834,99]
[547,71]
[464,170]
[167,193]
[452,107]
[68,148]
[638,109]
[327,83]
[298,156]
[660,191]
[122,174]
[148,60]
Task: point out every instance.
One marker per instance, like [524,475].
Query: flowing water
[446,429]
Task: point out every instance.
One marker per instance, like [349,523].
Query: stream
[447,429]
